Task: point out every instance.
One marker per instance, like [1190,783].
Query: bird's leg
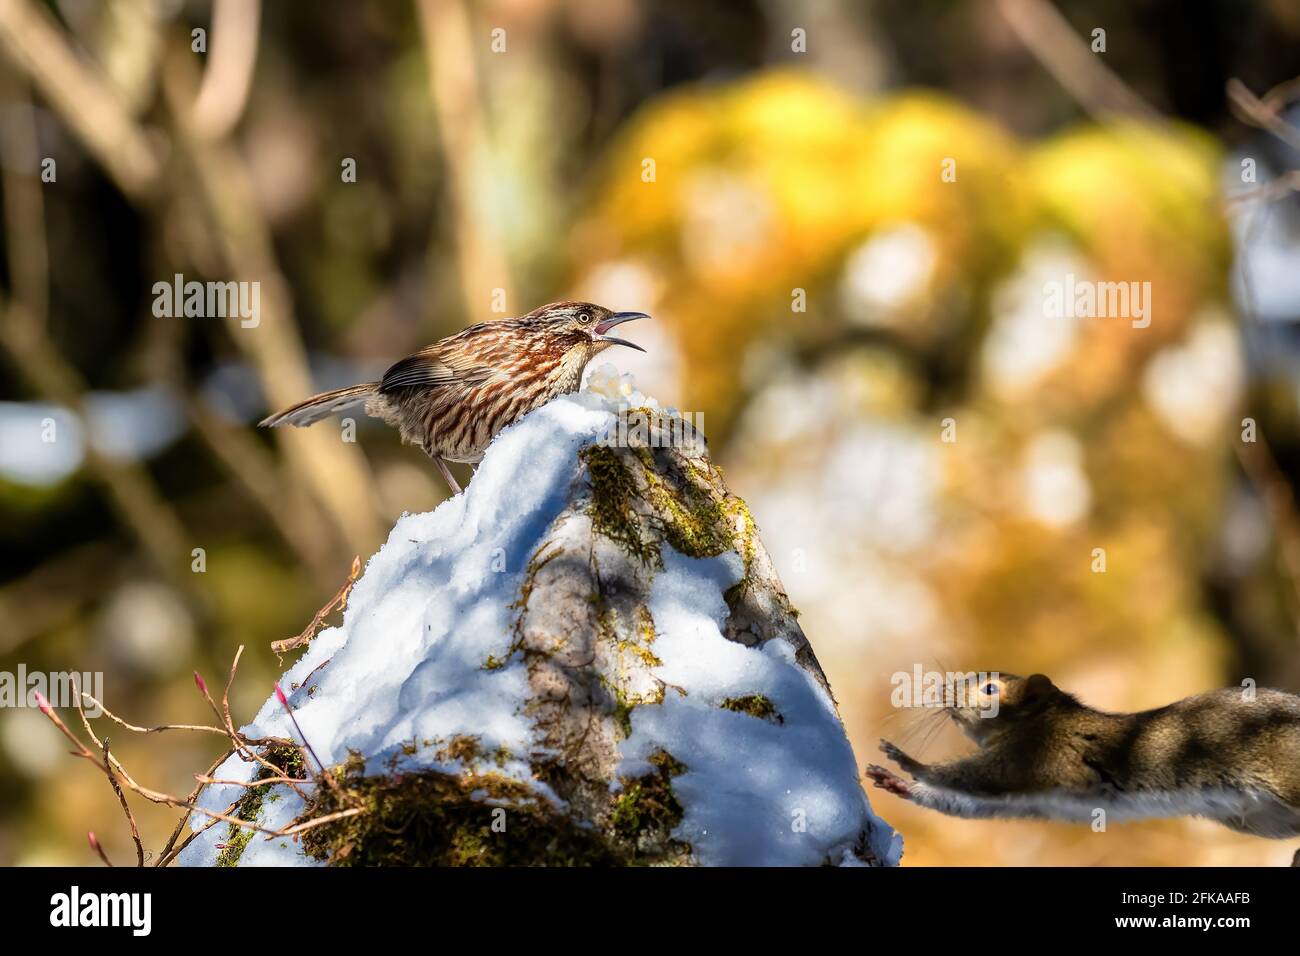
[447,476]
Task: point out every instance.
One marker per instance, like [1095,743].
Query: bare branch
[340,599]
[126,808]
[455,89]
[24,206]
[328,818]
[99,850]
[1264,113]
[168,853]
[232,54]
[201,728]
[249,784]
[30,37]
[1059,50]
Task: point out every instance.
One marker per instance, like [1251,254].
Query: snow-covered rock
[587,657]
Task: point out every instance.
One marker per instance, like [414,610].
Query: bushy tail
[321,406]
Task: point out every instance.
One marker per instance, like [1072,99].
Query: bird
[452,397]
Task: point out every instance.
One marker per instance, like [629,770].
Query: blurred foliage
[760,190]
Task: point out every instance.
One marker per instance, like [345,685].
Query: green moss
[667,763]
[462,748]
[747,534]
[647,808]
[237,837]
[612,492]
[688,514]
[742,523]
[437,819]
[756,705]
[623,715]
[540,559]
[288,757]
[691,517]
[430,818]
[639,645]
[625,703]
[289,760]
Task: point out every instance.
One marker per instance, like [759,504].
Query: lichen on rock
[585,659]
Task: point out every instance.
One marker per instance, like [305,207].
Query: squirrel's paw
[888,781]
[897,755]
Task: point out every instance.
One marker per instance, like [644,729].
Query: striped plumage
[452,397]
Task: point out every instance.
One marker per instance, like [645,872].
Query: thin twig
[328,818]
[1275,189]
[167,853]
[126,808]
[154,796]
[120,778]
[249,784]
[243,745]
[171,854]
[340,599]
[324,771]
[1053,42]
[245,752]
[99,850]
[201,728]
[1264,114]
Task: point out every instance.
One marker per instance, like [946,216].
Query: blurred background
[850,215]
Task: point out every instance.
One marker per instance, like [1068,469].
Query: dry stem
[340,599]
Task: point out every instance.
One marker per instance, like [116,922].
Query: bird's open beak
[618,318]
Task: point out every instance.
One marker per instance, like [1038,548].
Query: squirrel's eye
[990,689]
[584,317]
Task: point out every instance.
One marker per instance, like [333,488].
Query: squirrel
[1225,755]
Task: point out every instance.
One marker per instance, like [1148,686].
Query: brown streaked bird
[452,397]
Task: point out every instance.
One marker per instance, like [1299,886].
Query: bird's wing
[433,369]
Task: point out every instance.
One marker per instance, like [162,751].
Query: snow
[435,602]
[755,791]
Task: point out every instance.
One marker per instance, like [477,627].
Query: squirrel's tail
[321,406]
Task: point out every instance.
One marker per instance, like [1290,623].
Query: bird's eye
[990,689]
[584,317]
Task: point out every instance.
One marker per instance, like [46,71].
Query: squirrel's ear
[1038,687]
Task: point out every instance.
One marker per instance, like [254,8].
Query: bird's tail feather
[321,406]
